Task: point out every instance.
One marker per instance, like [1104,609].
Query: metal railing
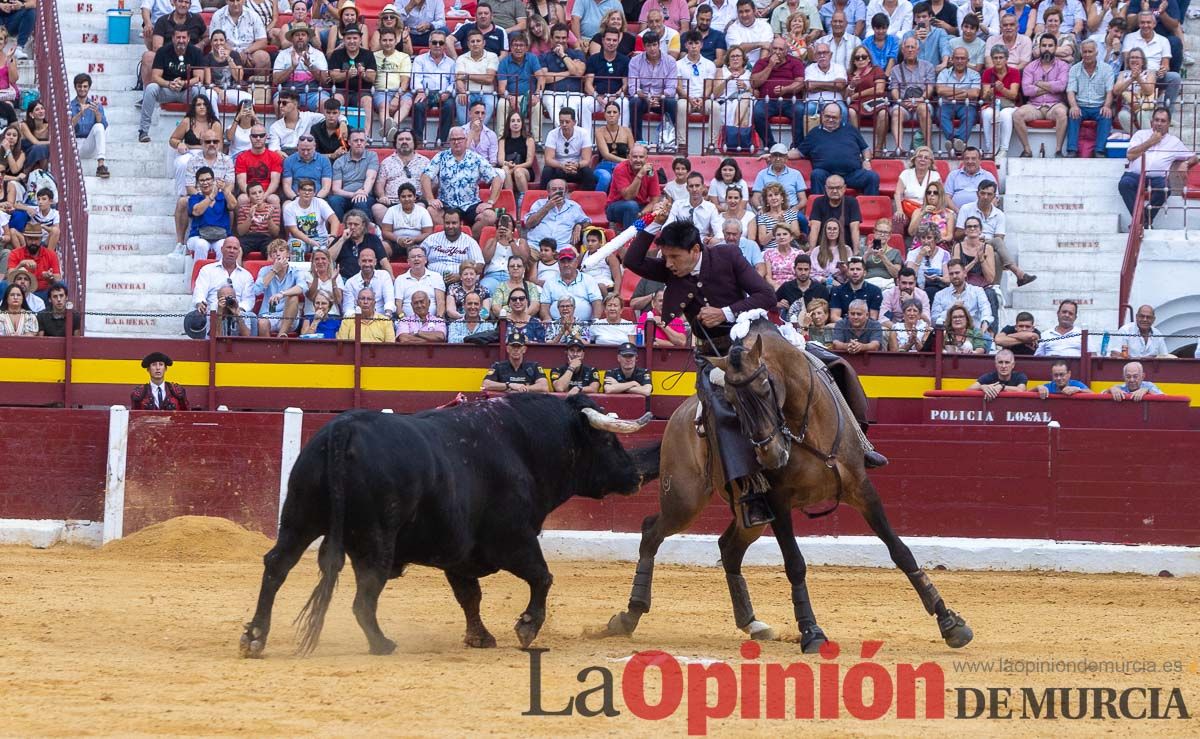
[64,153]
[1133,248]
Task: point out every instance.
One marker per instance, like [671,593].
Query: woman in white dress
[735,96]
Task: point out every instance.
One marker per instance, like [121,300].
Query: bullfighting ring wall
[963,496]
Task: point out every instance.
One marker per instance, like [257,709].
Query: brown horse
[809,453]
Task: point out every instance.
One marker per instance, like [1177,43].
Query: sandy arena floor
[143,641]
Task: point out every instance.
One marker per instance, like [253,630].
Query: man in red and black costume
[158,394]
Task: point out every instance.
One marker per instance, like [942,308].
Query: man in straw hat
[158,394]
[301,68]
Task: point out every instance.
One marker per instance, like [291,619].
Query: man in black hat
[627,377]
[516,375]
[575,376]
[158,394]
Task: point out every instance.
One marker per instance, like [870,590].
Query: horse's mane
[772,342]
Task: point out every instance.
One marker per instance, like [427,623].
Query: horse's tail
[333,551]
[646,460]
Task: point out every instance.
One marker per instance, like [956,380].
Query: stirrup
[756,511]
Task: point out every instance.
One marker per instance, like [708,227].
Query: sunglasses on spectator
[437,43]
[212,141]
[307,138]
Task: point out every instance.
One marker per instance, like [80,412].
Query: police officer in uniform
[709,286]
[575,376]
[627,377]
[515,375]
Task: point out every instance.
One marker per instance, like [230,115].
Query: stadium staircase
[131,231]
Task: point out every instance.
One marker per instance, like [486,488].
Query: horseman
[709,286]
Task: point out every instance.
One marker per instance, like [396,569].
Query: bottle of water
[1104,345]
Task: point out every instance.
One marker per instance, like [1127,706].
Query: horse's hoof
[384,647]
[527,630]
[759,631]
[811,640]
[955,630]
[252,643]
[479,640]
[619,625]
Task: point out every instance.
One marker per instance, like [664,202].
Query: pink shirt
[414,325]
[677,325]
[673,11]
[1057,77]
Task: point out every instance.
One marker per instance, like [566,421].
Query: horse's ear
[755,353]
[720,363]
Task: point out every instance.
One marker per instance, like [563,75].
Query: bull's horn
[616,425]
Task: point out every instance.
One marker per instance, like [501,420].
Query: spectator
[1136,88]
[751,34]
[1089,95]
[459,172]
[259,165]
[910,85]
[225,272]
[421,326]
[481,139]
[568,149]
[244,31]
[516,154]
[1162,150]
[392,98]
[882,48]
[225,70]
[281,287]
[730,117]
[352,73]
[935,212]
[1139,338]
[1136,386]
[866,92]
[780,258]
[830,254]
[775,212]
[345,17]
[796,294]
[556,217]
[17,318]
[583,290]
[354,177]
[517,82]
[855,288]
[575,376]
[404,167]
[606,272]
[45,216]
[419,278]
[52,320]
[307,164]
[911,332]
[425,19]
[914,179]
[516,281]
[562,78]
[958,90]
[176,76]
[612,329]
[789,179]
[308,219]
[379,282]
[979,260]
[837,149]
[516,375]
[928,258]
[37,261]
[495,39]
[26,281]
[1159,50]
[547,263]
[694,90]
[332,132]
[292,124]
[841,44]
[406,224]
[858,333]
[993,221]
[932,29]
[699,210]
[961,293]
[737,210]
[370,328]
[778,81]
[727,177]
[653,85]
[433,76]
[566,328]
[322,323]
[816,323]
[1016,42]
[521,320]
[475,76]
[472,323]
[323,278]
[969,39]
[1004,378]
[211,157]
[998,100]
[498,251]
[1064,340]
[713,45]
[836,206]
[89,123]
[751,251]
[676,189]
[963,183]
[158,394]
[627,377]
[883,261]
[633,189]
[165,18]
[301,69]
[673,334]
[1022,337]
[450,247]
[960,336]
[1044,83]
[467,284]
[1061,382]
[209,209]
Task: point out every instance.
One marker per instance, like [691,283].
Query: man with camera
[225,288]
[231,319]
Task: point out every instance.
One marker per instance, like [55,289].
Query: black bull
[465,490]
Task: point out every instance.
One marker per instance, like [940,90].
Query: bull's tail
[646,460]
[333,552]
